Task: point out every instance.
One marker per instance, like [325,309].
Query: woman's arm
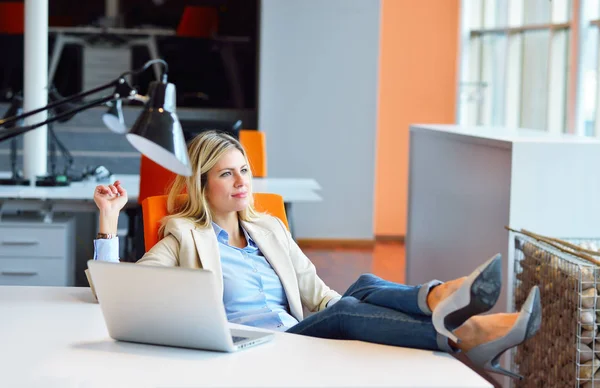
[110,200]
[314,293]
[106,249]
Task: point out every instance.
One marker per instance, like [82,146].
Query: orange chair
[272,204]
[198,22]
[155,209]
[255,144]
[12,17]
[154,179]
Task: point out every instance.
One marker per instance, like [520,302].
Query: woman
[267,280]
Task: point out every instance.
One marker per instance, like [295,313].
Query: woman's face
[228,184]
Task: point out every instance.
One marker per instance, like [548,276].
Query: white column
[35,80]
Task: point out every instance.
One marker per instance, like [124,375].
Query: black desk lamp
[156,133]
[16,108]
[114,119]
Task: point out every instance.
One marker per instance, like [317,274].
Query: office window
[534,80]
[590,107]
[516,68]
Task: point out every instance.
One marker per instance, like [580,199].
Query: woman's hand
[110,200]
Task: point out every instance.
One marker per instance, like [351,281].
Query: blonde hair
[204,151]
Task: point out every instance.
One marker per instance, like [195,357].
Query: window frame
[564,71]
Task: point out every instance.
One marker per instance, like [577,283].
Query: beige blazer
[189,246]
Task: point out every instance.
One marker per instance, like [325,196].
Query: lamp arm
[123,90]
[111,84]
[7,134]
[147,66]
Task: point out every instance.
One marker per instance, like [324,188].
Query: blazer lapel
[208,252]
[276,255]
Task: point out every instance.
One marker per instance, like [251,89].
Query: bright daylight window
[530,64]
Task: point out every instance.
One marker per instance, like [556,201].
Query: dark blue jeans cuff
[422,295]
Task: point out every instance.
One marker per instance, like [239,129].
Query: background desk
[78,198]
[79,195]
[129,36]
[56,337]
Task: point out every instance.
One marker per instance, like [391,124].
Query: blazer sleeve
[314,293]
[165,253]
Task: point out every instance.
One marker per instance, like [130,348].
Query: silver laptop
[166,306]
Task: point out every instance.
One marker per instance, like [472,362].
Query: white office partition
[318,106]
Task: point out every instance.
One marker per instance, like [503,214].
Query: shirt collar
[223,236]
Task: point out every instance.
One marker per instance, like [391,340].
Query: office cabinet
[37,253]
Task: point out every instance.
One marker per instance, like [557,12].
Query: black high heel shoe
[528,323]
[478,294]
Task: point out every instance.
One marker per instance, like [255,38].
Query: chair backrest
[255,144]
[198,22]
[154,179]
[12,17]
[272,204]
[154,209]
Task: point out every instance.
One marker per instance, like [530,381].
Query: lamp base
[14,182]
[53,181]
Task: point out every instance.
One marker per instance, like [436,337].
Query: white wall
[318,106]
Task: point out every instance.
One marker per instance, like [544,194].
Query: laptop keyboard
[237,339]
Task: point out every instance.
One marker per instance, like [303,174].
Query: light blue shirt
[253,294]
[252,291]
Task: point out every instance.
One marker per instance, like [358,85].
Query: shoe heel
[478,294]
[528,323]
[448,334]
[501,371]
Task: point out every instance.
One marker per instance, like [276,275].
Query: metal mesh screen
[565,351]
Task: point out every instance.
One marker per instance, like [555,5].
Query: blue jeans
[378,311]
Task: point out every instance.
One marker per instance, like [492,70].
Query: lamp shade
[113,118]
[157,132]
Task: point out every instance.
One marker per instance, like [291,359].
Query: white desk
[56,337]
[131,36]
[90,30]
